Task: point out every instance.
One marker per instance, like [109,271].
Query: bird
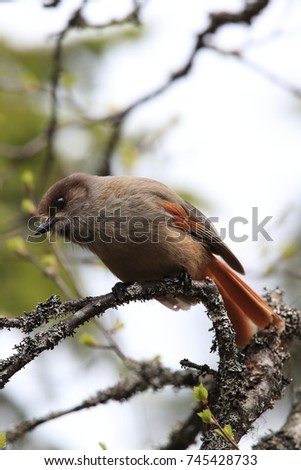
[142,230]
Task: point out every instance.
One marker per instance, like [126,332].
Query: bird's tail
[245,308]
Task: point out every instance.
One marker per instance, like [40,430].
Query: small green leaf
[103,446]
[27,179]
[200,393]
[16,245]
[2,440]
[156,358]
[88,340]
[226,431]
[50,262]
[28,206]
[229,431]
[206,416]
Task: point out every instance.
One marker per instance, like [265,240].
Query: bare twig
[217,20]
[51,3]
[130,18]
[186,432]
[263,71]
[76,21]
[148,375]
[49,273]
[28,150]
[203,369]
[105,166]
[84,309]
[289,436]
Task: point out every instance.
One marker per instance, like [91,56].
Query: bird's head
[62,207]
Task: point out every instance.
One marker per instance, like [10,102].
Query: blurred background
[226,136]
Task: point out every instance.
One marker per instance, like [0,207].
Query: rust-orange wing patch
[179,217]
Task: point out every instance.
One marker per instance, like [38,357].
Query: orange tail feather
[245,308]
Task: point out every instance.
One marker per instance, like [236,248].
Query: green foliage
[50,262]
[226,431]
[16,245]
[206,416]
[2,440]
[129,153]
[200,393]
[28,207]
[27,178]
[34,64]
[23,283]
[88,340]
[102,446]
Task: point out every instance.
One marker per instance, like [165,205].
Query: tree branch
[289,436]
[74,21]
[250,381]
[247,382]
[186,432]
[261,70]
[85,309]
[217,20]
[147,375]
[77,20]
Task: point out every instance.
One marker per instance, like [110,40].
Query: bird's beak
[46,226]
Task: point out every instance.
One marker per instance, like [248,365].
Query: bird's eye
[60,202]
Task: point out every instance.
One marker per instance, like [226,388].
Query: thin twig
[52,275]
[217,20]
[33,346]
[149,375]
[261,70]
[22,152]
[76,21]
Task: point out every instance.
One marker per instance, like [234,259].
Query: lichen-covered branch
[250,381]
[289,436]
[82,311]
[247,382]
[150,375]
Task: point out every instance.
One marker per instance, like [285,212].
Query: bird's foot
[120,290]
[185,277]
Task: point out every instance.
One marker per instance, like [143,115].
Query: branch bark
[147,375]
[247,382]
[83,310]
[289,436]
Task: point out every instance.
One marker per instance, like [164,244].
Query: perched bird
[143,230]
